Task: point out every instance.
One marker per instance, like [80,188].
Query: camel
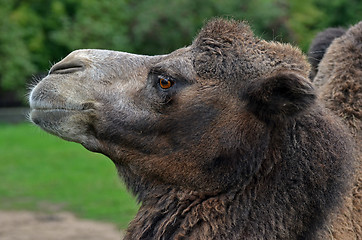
[222,139]
[339,80]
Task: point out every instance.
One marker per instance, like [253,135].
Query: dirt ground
[53,226]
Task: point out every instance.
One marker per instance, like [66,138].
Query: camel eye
[165,83]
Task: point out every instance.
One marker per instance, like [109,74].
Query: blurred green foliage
[36,33]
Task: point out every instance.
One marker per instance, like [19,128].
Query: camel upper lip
[46,106]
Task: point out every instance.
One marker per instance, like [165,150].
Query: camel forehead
[99,57]
[110,58]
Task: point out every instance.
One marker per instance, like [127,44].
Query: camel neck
[182,214]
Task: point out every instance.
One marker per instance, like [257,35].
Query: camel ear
[279,96]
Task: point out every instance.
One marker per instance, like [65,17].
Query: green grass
[40,172]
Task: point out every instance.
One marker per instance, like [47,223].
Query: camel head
[178,119]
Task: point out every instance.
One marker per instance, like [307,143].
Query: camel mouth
[41,112]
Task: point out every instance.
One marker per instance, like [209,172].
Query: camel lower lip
[52,113]
[49,114]
[50,110]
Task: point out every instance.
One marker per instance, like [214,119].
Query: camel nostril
[66,67]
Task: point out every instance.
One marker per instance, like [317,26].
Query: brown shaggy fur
[223,139]
[340,78]
[340,83]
